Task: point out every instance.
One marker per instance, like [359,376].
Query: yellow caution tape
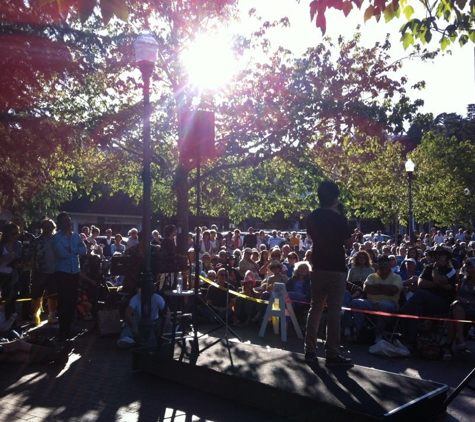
[233,292]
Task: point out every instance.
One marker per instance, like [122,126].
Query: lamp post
[410,166]
[467,209]
[146,48]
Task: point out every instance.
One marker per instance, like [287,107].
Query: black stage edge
[281,382]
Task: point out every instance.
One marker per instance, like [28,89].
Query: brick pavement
[98,384]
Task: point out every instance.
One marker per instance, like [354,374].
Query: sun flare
[210,62]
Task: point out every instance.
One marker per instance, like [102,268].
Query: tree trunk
[181,189]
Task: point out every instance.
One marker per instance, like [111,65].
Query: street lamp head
[146,48]
[410,166]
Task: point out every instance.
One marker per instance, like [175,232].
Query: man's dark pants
[67,285]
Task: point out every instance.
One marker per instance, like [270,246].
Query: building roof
[119,203]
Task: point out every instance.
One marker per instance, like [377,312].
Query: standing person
[133,237]
[43,274]
[250,239]
[67,246]
[330,233]
[24,266]
[118,246]
[106,243]
[10,252]
[169,249]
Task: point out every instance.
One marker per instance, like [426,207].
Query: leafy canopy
[452,20]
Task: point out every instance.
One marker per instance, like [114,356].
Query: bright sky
[449,80]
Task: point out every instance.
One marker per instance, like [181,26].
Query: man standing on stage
[330,234]
[67,246]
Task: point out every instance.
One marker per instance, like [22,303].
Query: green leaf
[407,40]
[444,43]
[389,13]
[428,35]
[463,40]
[471,35]
[408,12]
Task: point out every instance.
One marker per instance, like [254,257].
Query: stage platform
[282,382]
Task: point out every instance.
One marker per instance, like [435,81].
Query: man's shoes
[61,355]
[337,360]
[310,357]
[126,343]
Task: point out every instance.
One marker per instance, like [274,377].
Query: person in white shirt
[274,240]
[439,238]
[132,317]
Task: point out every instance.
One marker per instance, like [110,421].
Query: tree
[453,20]
[441,177]
[276,122]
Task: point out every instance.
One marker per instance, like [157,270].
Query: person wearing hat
[436,290]
[382,291]
[247,264]
[330,232]
[266,288]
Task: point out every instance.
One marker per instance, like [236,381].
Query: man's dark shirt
[447,294]
[328,231]
[218,297]
[250,241]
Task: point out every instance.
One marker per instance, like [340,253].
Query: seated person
[353,291]
[19,351]
[133,314]
[279,275]
[290,262]
[206,263]
[84,305]
[218,299]
[248,264]
[361,268]
[462,309]
[410,277]
[382,291]
[435,293]
[9,329]
[246,309]
[299,289]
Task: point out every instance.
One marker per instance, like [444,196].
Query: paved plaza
[98,384]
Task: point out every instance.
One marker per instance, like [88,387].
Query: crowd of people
[328,269]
